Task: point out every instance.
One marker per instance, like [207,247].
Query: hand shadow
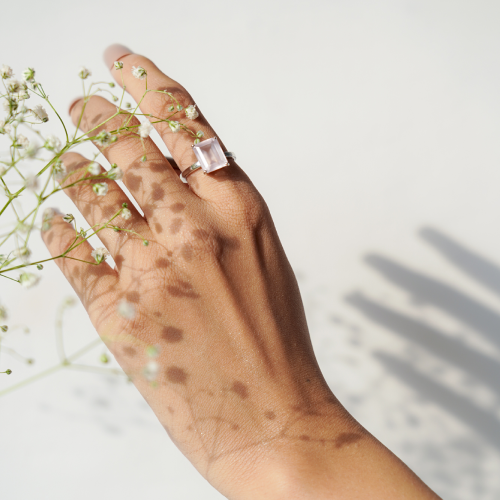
[477,365]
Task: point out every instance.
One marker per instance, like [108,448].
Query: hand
[238,389]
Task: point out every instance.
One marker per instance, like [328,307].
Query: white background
[371,129]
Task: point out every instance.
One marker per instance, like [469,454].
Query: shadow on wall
[479,317]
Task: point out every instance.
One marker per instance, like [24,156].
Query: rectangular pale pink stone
[210,155]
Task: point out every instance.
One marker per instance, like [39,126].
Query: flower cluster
[33,171]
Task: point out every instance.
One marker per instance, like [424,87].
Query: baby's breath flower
[100,189]
[171,108]
[31,182]
[84,73]
[100,254]
[28,280]
[150,371]
[52,143]
[5,128]
[128,105]
[199,133]
[40,113]
[126,213]
[58,170]
[48,214]
[22,141]
[118,65]
[10,105]
[23,252]
[6,71]
[192,112]
[4,328]
[126,309]
[69,218]
[145,129]
[13,85]
[21,96]
[29,74]
[139,72]
[174,126]
[103,138]
[115,173]
[94,168]
[31,150]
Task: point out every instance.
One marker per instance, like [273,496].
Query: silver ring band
[193,168]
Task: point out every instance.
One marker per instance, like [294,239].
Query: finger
[157,104]
[100,200]
[95,284]
[153,183]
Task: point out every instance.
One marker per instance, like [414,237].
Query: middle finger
[153,183]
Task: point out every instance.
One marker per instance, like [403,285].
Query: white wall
[378,152]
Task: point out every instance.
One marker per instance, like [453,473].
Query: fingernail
[114,53]
[73,102]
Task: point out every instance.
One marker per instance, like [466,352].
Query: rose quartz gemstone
[210,155]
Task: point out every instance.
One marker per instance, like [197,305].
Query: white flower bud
[40,113]
[52,143]
[145,129]
[103,138]
[59,170]
[29,74]
[94,168]
[126,309]
[23,141]
[6,72]
[139,72]
[100,254]
[28,280]
[174,126]
[115,173]
[150,371]
[192,112]
[13,85]
[31,182]
[118,65]
[126,213]
[69,218]
[31,150]
[84,73]
[100,189]
[5,128]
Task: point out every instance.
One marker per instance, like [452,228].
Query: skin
[239,390]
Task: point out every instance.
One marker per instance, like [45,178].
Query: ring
[210,157]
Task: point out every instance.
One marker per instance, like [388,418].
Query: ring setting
[210,157]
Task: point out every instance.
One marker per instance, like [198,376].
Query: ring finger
[100,199]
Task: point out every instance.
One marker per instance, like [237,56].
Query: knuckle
[246,210]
